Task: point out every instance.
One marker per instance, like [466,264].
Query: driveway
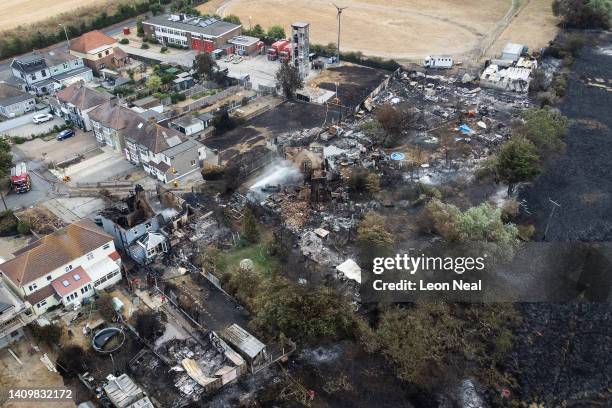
[57,151]
[261,71]
[33,129]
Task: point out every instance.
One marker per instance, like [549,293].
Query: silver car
[42,117]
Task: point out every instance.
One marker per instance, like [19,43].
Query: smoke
[281,172]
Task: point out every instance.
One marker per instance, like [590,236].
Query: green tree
[275,32]
[6,159]
[289,79]
[517,161]
[257,31]
[480,229]
[373,239]
[584,13]
[546,128]
[139,27]
[249,227]
[204,65]
[304,314]
[154,83]
[234,19]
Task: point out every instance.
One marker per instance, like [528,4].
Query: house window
[106,246]
[107,52]
[33,76]
[90,256]
[100,55]
[41,304]
[32,287]
[44,73]
[68,268]
[148,226]
[193,162]
[49,277]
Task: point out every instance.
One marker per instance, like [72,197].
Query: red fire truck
[20,179]
[279,48]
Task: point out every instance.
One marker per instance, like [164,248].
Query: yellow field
[400,29]
[14,13]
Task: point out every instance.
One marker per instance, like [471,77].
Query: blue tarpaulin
[465,129]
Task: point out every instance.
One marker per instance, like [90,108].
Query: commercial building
[63,268]
[246,45]
[14,102]
[76,102]
[197,33]
[99,51]
[15,314]
[48,70]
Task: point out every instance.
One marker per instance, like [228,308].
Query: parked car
[65,134]
[42,118]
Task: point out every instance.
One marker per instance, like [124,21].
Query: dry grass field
[14,13]
[534,26]
[402,29]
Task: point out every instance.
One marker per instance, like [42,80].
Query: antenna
[339,17]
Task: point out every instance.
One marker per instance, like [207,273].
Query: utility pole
[339,17]
[65,32]
[552,212]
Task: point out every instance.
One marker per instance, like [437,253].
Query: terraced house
[76,102]
[63,268]
[165,154]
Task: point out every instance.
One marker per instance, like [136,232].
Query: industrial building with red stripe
[202,34]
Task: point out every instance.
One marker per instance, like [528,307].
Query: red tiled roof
[70,281]
[114,255]
[39,295]
[90,41]
[55,250]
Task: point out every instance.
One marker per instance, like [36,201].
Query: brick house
[99,51]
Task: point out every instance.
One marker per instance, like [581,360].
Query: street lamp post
[65,32]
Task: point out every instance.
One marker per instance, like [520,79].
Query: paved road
[43,183]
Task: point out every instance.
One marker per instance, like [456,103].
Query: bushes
[425,341]
[124,41]
[304,314]
[177,97]
[144,46]
[23,227]
[8,223]
[330,50]
[73,359]
[50,334]
[213,173]
[163,49]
